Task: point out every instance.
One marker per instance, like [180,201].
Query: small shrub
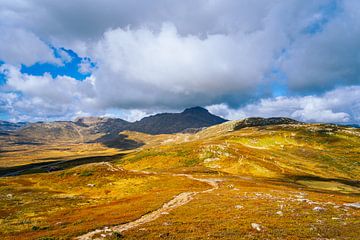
[118,235]
[65,174]
[86,173]
[191,162]
[35,228]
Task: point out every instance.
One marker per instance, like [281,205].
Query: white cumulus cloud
[166,69]
[155,56]
[40,97]
[19,46]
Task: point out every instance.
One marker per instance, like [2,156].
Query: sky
[130,58]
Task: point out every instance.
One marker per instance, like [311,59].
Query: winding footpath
[179,200]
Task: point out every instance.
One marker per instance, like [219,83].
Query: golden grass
[273,151]
[228,213]
[74,201]
[26,154]
[273,176]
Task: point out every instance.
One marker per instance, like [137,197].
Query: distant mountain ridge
[351,125]
[10,126]
[92,128]
[190,120]
[106,130]
[162,123]
[103,125]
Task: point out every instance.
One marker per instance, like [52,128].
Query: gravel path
[179,200]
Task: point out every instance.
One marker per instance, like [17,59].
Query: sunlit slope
[275,151]
[66,204]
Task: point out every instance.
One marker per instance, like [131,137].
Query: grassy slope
[264,170]
[15,155]
[273,151]
[280,209]
[71,202]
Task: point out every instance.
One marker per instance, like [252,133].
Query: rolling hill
[275,148]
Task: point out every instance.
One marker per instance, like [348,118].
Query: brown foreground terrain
[294,181]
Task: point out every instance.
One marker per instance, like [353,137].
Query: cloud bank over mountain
[240,58]
[339,106]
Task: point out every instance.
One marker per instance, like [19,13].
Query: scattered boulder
[238,206]
[256,226]
[353,205]
[280,213]
[207,160]
[318,209]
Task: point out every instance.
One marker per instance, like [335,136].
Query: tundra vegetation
[288,181]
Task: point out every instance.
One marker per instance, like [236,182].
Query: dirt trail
[179,200]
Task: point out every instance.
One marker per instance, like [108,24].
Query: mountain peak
[194,117]
[196,109]
[90,120]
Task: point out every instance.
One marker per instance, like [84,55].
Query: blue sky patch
[279,84]
[325,14]
[70,68]
[2,76]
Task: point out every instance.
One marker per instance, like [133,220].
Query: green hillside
[295,151]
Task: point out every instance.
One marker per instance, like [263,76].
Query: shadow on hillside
[28,143]
[337,190]
[353,183]
[119,141]
[54,165]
